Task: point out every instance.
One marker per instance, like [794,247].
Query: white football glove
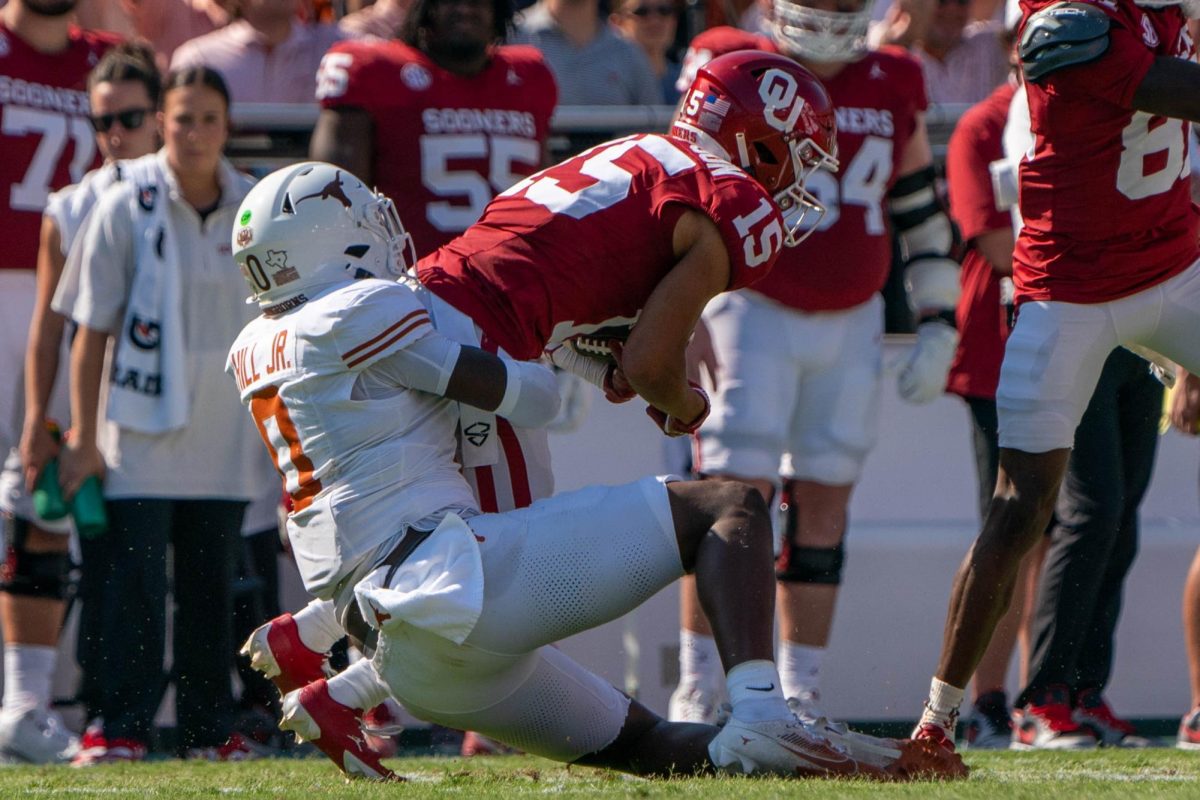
[923,376]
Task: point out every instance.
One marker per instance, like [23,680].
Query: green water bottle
[87,507]
[48,501]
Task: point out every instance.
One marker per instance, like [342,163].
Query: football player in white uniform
[352,390]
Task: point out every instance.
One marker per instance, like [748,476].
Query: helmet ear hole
[764,153]
[357,250]
[287,207]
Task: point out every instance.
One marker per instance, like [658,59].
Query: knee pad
[820,565]
[31,574]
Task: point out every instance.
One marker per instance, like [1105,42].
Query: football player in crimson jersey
[47,143]
[631,238]
[654,222]
[797,404]
[440,120]
[350,386]
[1107,256]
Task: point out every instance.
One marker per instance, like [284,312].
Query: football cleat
[934,734]
[1189,731]
[1047,723]
[476,744]
[990,725]
[277,651]
[95,749]
[807,706]
[336,730]
[781,747]
[236,748]
[36,737]
[1092,711]
[693,703]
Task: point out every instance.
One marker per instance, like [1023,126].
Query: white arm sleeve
[530,399]
[425,365]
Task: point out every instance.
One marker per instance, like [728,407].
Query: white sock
[28,671]
[358,686]
[799,667]
[942,706]
[699,661]
[755,693]
[318,626]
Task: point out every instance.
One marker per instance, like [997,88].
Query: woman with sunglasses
[123,84]
[651,24]
[151,271]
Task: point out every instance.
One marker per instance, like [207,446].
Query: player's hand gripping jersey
[444,144]
[580,246]
[1105,192]
[877,99]
[46,141]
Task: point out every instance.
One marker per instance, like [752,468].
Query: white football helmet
[822,36]
[314,224]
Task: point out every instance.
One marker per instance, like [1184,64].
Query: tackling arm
[343,137]
[523,392]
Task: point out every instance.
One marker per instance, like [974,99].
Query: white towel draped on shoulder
[150,343]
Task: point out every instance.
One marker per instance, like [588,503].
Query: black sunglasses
[645,11]
[130,119]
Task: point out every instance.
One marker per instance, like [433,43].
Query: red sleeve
[913,77]
[972,201]
[350,75]
[751,226]
[1114,77]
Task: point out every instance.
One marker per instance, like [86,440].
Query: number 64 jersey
[580,246]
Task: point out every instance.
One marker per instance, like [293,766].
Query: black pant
[1095,539]
[125,578]
[256,600]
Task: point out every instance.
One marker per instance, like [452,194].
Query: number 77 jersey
[442,144]
[580,246]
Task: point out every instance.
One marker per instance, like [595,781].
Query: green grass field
[1159,773]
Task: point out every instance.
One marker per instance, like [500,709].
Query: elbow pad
[926,242]
[531,397]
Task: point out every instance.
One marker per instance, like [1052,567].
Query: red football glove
[673,427]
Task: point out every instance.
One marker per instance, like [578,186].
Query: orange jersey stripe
[383,346]
[420,312]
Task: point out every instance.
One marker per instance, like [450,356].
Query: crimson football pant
[1094,540]
[125,582]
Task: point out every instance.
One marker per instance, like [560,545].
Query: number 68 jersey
[1105,193]
[580,246]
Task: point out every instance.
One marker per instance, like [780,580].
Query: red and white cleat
[277,651]
[934,734]
[336,730]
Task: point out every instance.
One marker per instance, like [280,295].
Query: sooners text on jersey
[45,137]
[580,246]
[1105,197]
[877,100]
[444,144]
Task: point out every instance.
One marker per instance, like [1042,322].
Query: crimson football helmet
[771,117]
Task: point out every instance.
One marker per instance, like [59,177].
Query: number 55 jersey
[580,246]
[443,144]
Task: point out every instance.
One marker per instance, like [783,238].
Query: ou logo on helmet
[781,98]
